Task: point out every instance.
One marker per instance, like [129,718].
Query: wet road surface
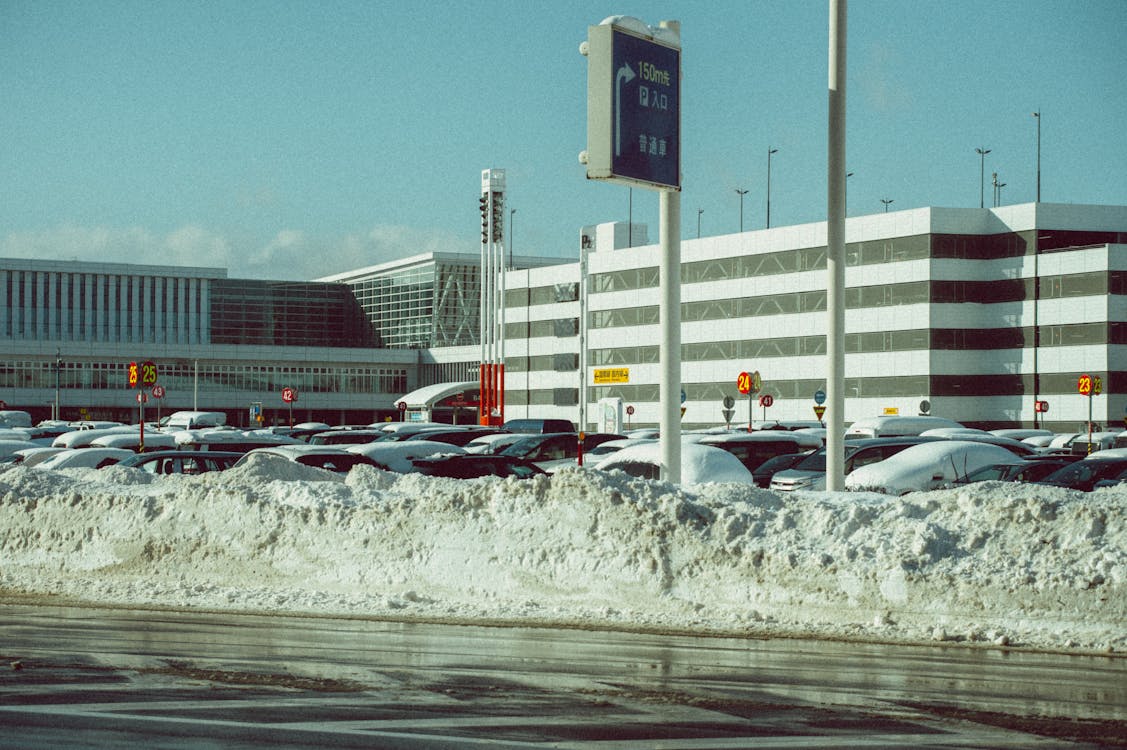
[80,677]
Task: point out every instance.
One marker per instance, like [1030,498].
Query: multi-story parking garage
[973,314]
[977,312]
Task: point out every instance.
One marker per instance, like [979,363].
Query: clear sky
[291,140]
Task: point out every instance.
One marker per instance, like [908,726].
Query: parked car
[810,473]
[1085,473]
[455,436]
[221,439]
[181,462]
[132,441]
[399,455]
[773,466]
[345,437]
[753,448]
[9,448]
[85,458]
[471,466]
[494,443]
[895,426]
[928,466]
[1030,469]
[28,457]
[699,463]
[326,457]
[538,426]
[555,446]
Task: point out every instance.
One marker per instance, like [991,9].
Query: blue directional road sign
[633,107]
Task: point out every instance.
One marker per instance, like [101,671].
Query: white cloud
[289,255]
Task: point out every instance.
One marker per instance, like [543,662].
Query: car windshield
[1080,472]
[523,447]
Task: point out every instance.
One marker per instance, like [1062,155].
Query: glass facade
[430,304]
[287,313]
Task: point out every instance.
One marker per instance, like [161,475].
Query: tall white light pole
[982,176]
[835,253]
[1037,114]
[741,193]
[769,152]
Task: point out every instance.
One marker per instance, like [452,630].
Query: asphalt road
[102,678]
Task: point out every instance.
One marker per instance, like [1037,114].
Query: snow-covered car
[9,448]
[699,463]
[810,473]
[326,457]
[85,458]
[132,441]
[399,455]
[85,436]
[494,443]
[226,439]
[29,457]
[927,466]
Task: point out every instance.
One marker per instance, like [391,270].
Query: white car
[699,463]
[927,466]
[84,458]
[330,458]
[495,443]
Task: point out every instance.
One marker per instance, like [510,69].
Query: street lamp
[982,176]
[58,368]
[511,263]
[1037,114]
[741,193]
[769,152]
[699,212]
[997,189]
[886,201]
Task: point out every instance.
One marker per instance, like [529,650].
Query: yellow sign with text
[609,375]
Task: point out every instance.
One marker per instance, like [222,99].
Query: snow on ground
[991,563]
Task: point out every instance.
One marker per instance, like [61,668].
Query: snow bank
[998,563]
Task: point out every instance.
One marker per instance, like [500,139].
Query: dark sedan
[181,462]
[472,466]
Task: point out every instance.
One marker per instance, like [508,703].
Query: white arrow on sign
[625,75]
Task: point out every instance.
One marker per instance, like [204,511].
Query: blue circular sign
[819,397]
[684,396]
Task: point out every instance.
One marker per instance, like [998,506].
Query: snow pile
[998,563]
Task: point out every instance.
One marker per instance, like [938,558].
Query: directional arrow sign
[634,104]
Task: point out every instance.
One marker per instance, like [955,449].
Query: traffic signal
[1040,406]
[484,201]
[498,216]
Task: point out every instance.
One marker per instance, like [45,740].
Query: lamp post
[699,212]
[741,193]
[1037,115]
[769,152]
[982,175]
[997,189]
[847,176]
[58,368]
[886,201]
[511,263]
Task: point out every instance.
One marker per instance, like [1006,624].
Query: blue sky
[291,140]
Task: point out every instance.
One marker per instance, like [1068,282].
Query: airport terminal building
[980,313]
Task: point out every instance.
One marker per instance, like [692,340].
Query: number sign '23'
[1089,386]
